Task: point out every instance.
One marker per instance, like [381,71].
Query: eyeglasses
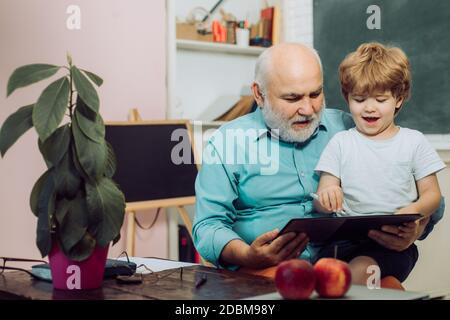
[151,277]
[147,275]
[5,260]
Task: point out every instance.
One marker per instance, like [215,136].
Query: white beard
[286,133]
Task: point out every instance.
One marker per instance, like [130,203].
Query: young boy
[377,167]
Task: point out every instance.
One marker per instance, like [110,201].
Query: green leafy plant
[75,201]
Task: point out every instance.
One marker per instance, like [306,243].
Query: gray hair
[263,64]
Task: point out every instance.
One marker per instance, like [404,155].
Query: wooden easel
[178,203]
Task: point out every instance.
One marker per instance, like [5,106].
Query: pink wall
[124,43]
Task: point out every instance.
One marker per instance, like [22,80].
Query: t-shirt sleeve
[330,160]
[426,160]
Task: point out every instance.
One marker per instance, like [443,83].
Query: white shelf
[218,47]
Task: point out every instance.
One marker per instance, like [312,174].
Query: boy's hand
[331,198]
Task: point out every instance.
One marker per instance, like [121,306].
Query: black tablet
[345,228]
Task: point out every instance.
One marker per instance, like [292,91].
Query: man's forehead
[295,86]
[298,78]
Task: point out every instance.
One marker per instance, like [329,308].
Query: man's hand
[399,238]
[330,198]
[268,250]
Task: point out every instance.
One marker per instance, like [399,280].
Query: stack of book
[266,32]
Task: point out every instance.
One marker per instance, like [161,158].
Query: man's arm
[215,215]
[267,250]
[213,234]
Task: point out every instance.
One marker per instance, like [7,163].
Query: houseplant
[79,208]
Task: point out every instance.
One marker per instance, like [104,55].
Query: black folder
[345,228]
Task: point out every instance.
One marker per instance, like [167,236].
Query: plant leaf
[74,223]
[77,164]
[15,126]
[50,108]
[67,178]
[107,202]
[93,130]
[83,249]
[91,155]
[36,192]
[29,74]
[56,146]
[84,110]
[111,162]
[45,209]
[62,206]
[116,239]
[94,78]
[85,89]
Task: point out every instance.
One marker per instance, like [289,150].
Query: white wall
[122,41]
[297,24]
[432,271]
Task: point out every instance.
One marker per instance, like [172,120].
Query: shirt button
[302,174]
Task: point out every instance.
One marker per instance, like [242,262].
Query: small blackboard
[155,160]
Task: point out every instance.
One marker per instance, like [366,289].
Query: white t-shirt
[378,176]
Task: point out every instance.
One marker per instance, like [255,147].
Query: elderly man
[241,202]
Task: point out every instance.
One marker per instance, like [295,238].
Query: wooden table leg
[131,233]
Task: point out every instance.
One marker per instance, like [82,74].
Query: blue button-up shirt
[251,182]
[240,197]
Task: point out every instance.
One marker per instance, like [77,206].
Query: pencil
[316,197]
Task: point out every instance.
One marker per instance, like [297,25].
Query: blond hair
[374,67]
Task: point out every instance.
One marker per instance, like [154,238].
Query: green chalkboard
[420,27]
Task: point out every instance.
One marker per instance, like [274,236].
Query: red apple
[333,277]
[295,279]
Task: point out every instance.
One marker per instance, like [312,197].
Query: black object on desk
[201,281]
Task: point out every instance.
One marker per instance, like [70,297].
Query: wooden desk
[220,284]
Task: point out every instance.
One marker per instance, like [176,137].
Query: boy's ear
[398,105]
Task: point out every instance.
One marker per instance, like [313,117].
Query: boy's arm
[400,238]
[429,197]
[330,194]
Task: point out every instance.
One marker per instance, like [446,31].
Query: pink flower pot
[74,275]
